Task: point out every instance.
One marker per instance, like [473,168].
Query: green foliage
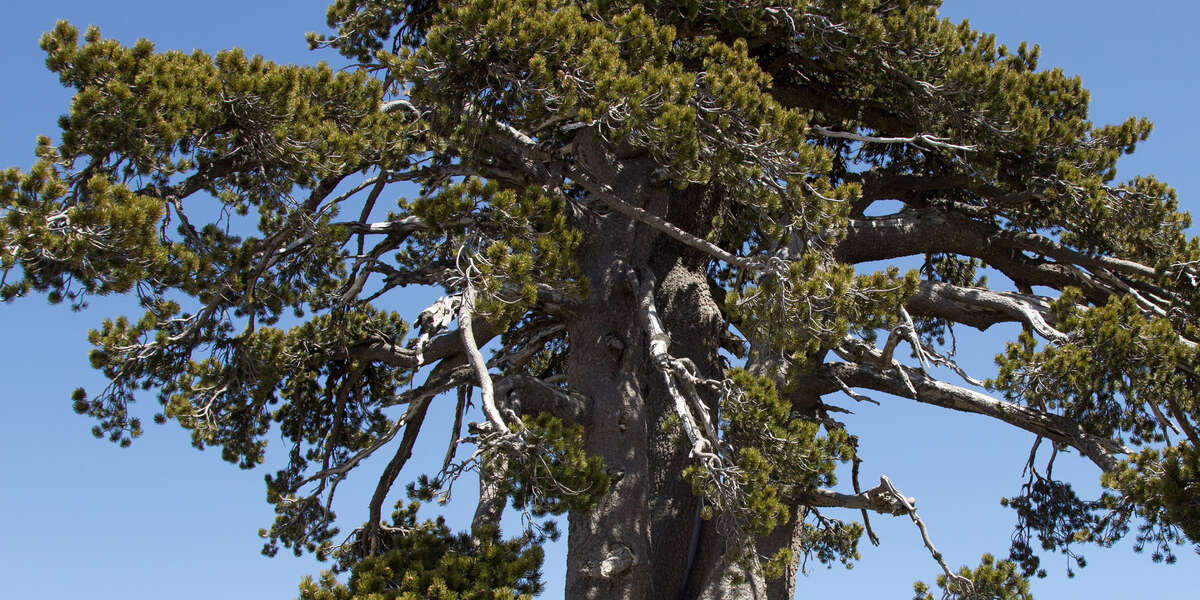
[828,540]
[720,102]
[779,458]
[552,473]
[1051,511]
[95,237]
[425,561]
[1161,487]
[610,65]
[757,419]
[512,240]
[1115,371]
[991,580]
[245,130]
[812,306]
[141,113]
[1115,364]
[364,26]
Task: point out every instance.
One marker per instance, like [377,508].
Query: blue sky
[80,517]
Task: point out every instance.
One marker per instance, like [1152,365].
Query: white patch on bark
[618,561]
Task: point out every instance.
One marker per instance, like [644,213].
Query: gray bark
[610,551]
[645,538]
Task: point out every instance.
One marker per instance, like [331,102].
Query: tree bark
[645,538]
[609,547]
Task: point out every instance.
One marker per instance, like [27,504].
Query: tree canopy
[665,223]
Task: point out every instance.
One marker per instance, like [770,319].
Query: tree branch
[445,375]
[438,348]
[981,307]
[930,230]
[527,395]
[1101,451]
[706,444]
[876,499]
[466,308]
[962,584]
[920,139]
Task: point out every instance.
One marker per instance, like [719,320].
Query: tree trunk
[645,538]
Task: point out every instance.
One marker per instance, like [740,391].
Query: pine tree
[662,221]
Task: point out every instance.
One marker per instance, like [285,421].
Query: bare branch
[491,503]
[963,585]
[703,437]
[921,139]
[466,308]
[876,499]
[1101,451]
[980,307]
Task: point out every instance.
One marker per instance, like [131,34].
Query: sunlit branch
[699,429]
[962,584]
[981,307]
[876,499]
[1101,451]
[921,139]
[466,310]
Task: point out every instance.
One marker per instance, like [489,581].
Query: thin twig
[963,584]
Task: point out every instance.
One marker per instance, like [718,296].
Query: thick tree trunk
[610,551]
[645,538]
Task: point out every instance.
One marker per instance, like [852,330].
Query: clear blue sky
[81,518]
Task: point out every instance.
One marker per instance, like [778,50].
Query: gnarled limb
[877,499]
[921,231]
[438,348]
[527,395]
[1101,451]
[466,309]
[692,414]
[981,307]
[921,139]
[960,583]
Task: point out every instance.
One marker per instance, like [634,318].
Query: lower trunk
[645,539]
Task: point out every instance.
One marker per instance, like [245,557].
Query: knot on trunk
[618,561]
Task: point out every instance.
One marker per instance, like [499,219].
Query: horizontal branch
[1049,248]
[918,139]
[438,348]
[933,230]
[403,226]
[928,230]
[877,499]
[981,308]
[528,395]
[911,383]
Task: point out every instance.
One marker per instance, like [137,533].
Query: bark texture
[645,539]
